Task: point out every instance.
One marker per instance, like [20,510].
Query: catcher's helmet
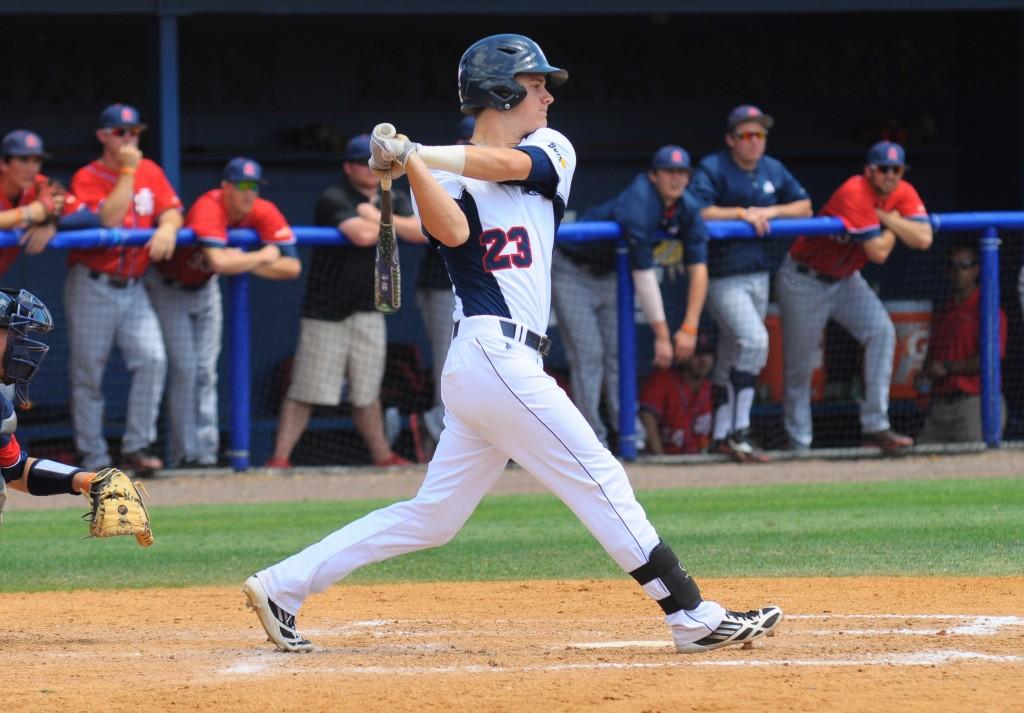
[488,69]
[22,313]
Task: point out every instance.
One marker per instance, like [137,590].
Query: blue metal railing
[238,302]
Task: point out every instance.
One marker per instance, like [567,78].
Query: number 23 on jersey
[497,254]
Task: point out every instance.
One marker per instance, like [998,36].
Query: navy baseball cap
[22,143]
[748,112]
[887,153]
[118,115]
[241,168]
[357,148]
[671,156]
[465,129]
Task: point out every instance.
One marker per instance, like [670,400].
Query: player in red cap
[186,296]
[105,301]
[29,201]
[820,280]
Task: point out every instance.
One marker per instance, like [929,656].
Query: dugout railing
[238,325]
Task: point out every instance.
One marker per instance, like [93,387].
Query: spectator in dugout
[342,336]
[653,210]
[105,301]
[186,296]
[950,377]
[675,403]
[821,280]
[24,203]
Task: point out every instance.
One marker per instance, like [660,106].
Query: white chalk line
[920,658]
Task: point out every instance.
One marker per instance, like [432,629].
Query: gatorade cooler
[913,321]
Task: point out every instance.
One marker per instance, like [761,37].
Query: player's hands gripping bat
[387,283]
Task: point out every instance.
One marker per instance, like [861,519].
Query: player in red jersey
[187,299]
[675,403]
[820,280]
[26,203]
[952,366]
[105,301]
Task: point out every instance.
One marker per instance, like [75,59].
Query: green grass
[947,527]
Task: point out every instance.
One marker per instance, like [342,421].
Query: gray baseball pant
[805,306]
[738,304]
[587,309]
[100,316]
[193,324]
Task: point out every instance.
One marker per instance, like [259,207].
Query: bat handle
[385,182]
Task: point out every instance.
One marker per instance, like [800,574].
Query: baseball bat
[387,285]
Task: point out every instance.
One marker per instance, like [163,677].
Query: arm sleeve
[561,158]
[273,229]
[637,209]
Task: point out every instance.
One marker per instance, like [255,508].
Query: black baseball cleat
[279,624]
[736,628]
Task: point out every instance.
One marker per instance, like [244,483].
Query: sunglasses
[751,135]
[889,169]
[121,132]
[247,185]
[962,264]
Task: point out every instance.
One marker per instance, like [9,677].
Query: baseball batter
[820,280]
[492,209]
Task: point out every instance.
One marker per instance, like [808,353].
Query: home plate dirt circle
[864,644]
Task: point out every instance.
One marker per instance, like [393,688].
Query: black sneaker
[736,628]
[279,624]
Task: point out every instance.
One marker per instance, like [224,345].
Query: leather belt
[827,279]
[118,283]
[510,330]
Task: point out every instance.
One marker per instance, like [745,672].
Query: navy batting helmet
[488,69]
[22,313]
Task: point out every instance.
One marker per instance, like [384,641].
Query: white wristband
[444,158]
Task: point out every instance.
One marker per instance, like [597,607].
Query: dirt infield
[855,644]
[860,644]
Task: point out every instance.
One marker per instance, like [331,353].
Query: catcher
[116,505]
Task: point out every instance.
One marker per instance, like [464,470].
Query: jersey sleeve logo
[498,255]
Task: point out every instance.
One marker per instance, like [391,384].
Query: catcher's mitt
[52,195]
[117,507]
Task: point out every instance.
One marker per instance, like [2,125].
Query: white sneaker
[736,628]
[279,624]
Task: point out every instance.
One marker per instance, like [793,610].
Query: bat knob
[385,131]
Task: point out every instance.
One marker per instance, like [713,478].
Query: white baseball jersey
[504,269]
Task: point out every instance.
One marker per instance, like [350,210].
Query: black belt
[171,282]
[827,279]
[530,338]
[114,281]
